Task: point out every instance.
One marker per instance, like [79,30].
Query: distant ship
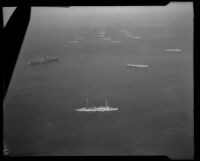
[78,38]
[73,42]
[136,65]
[107,38]
[97,108]
[115,42]
[135,37]
[173,50]
[42,60]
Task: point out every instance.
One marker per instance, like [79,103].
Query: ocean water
[155,104]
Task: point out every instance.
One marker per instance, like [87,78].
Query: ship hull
[136,66]
[96,110]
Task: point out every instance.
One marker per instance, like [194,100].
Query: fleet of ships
[106,107]
[102,35]
[46,59]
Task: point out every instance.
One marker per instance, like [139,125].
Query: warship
[42,60]
[136,65]
[102,108]
[176,50]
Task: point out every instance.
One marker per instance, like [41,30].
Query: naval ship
[137,65]
[173,50]
[104,108]
[42,60]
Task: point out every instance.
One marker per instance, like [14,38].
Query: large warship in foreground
[97,108]
[42,60]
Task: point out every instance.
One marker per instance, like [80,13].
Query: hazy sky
[105,16]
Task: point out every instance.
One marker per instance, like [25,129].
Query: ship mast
[106,103]
[86,102]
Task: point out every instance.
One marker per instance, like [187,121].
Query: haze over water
[155,104]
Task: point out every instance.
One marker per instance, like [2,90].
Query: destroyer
[42,60]
[97,108]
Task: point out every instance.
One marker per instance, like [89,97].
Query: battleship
[42,60]
[104,108]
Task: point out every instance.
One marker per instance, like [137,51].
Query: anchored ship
[42,60]
[104,108]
